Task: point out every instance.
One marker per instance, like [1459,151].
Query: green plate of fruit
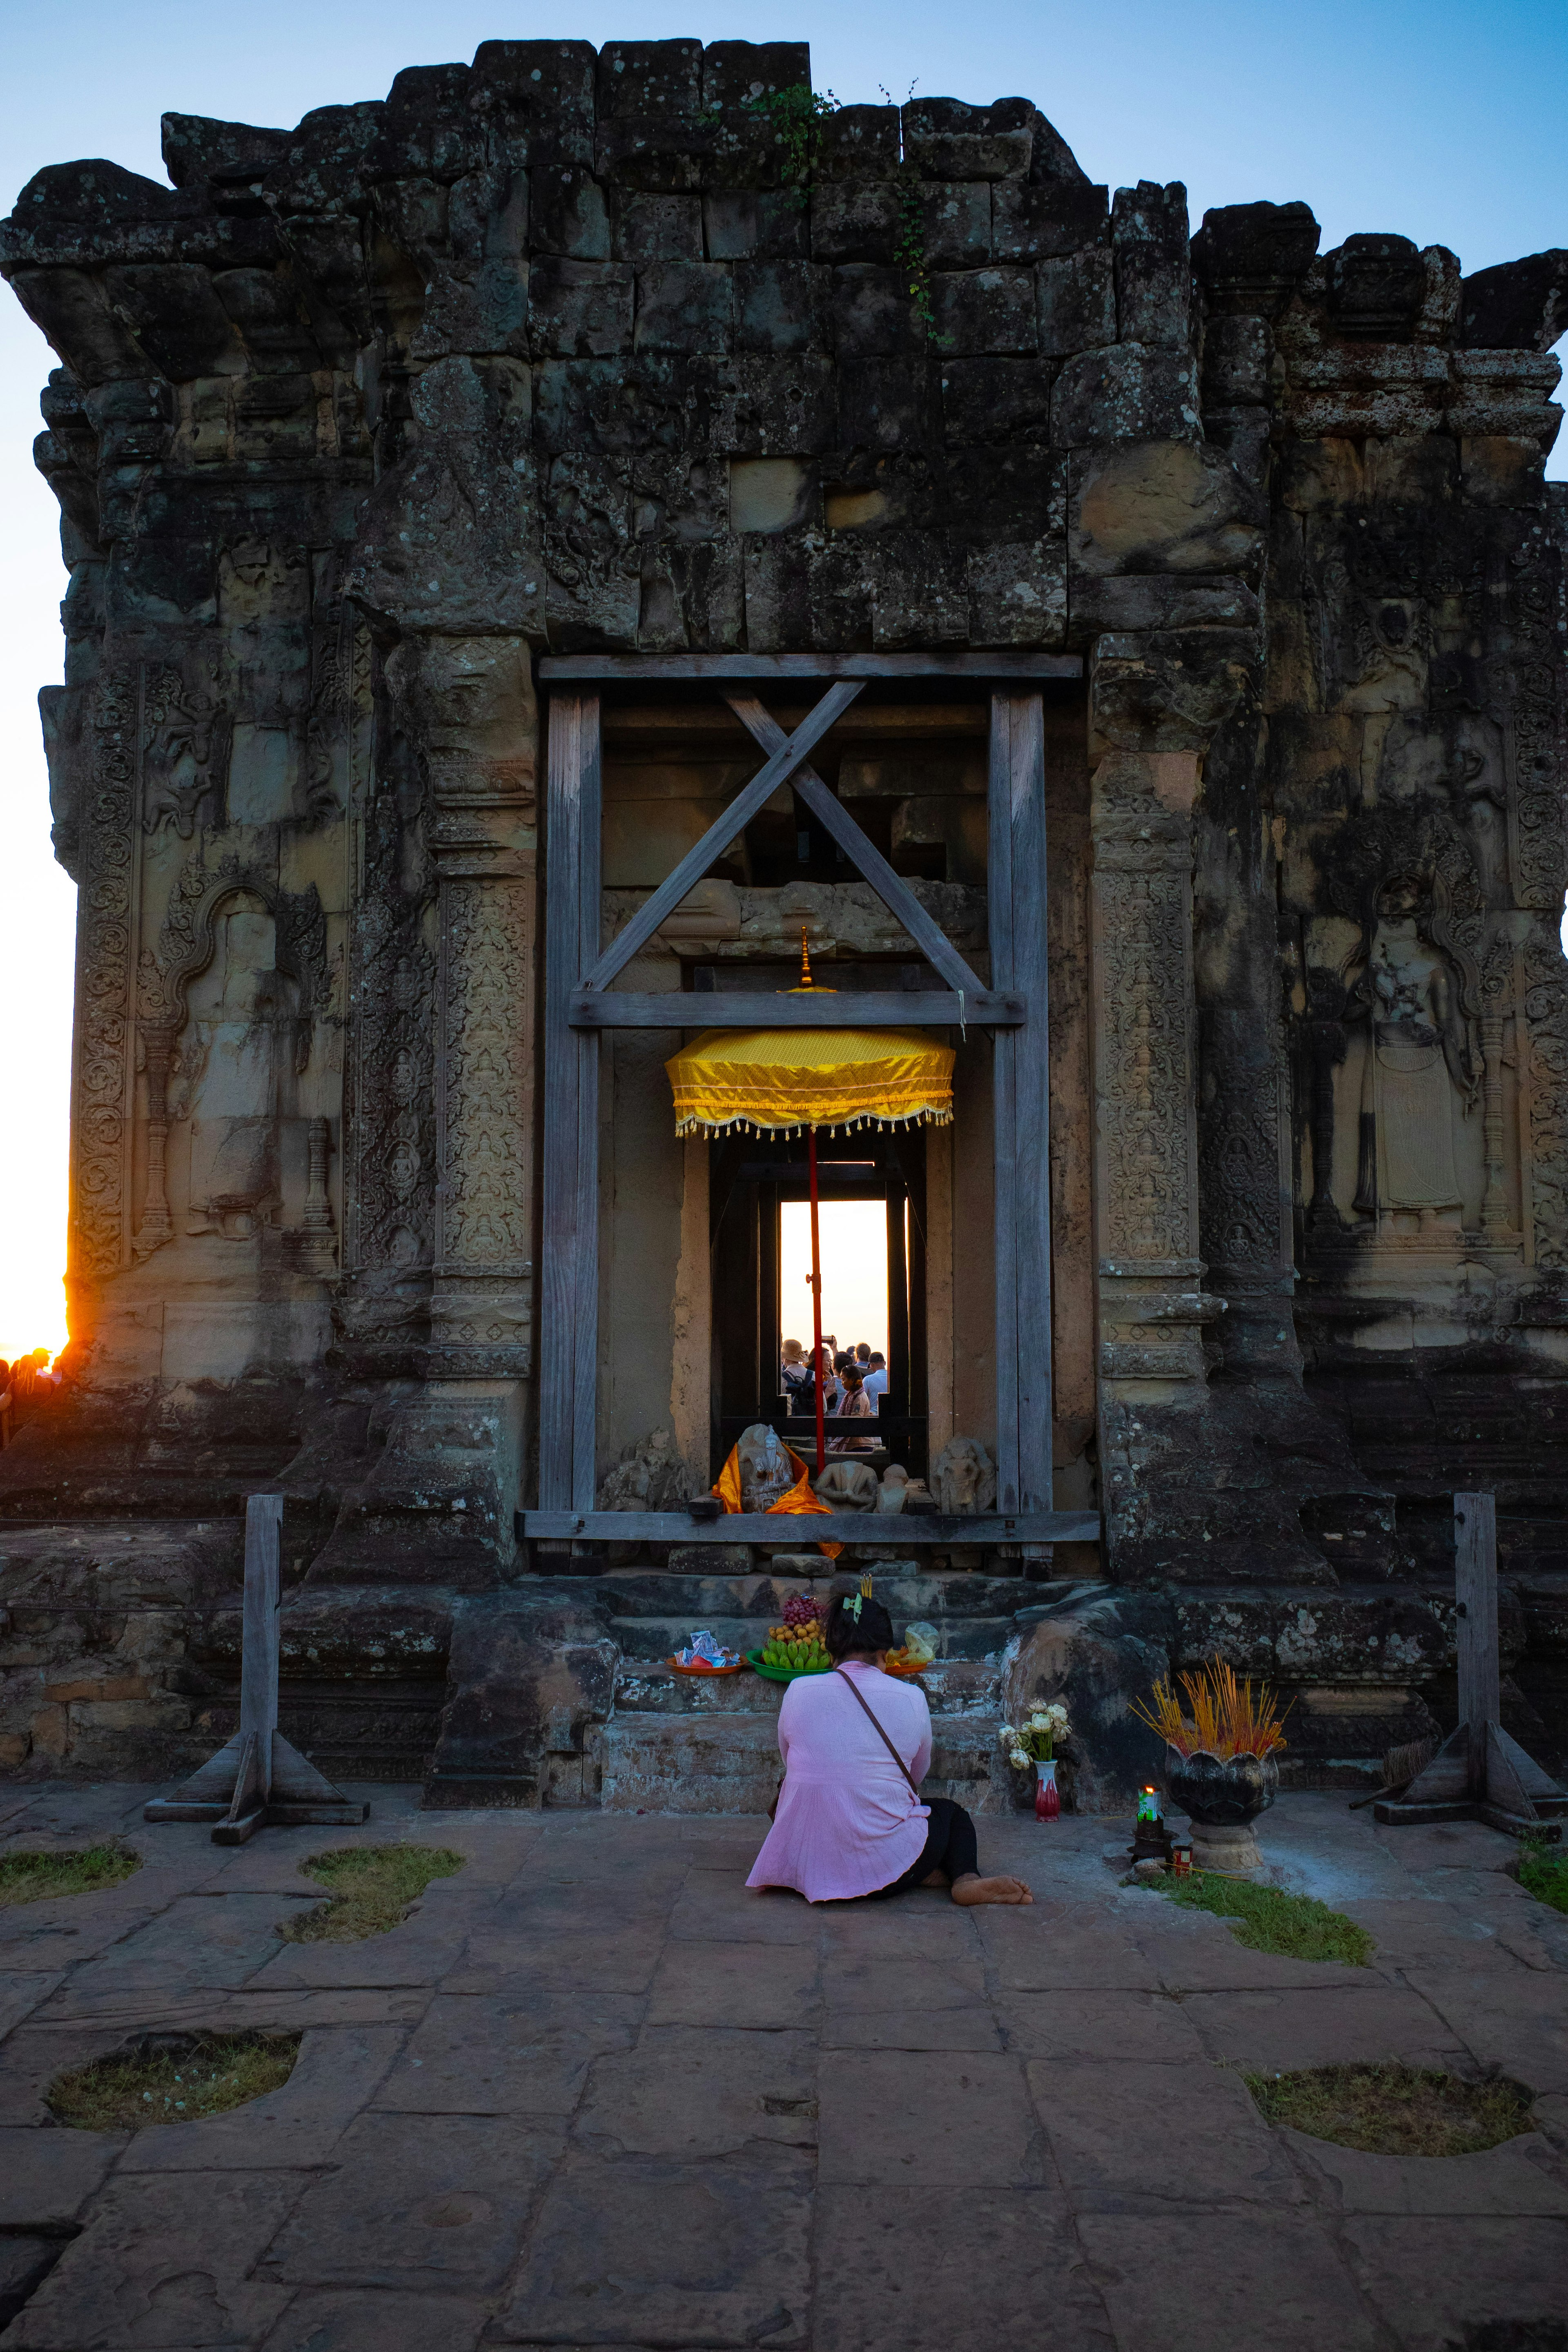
[759,1661]
[796,1647]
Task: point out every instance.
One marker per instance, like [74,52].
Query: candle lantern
[1150,1838]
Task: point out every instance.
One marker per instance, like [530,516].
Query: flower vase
[1048,1801]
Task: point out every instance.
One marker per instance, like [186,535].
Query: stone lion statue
[963,1477]
[848,1487]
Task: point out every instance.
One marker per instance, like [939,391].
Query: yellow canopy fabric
[778,1080]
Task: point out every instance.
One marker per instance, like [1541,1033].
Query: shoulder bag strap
[849,1681]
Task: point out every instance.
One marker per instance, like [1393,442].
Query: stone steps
[728,1763]
[660,1637]
[954,1686]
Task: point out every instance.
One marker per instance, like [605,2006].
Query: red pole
[817,1308]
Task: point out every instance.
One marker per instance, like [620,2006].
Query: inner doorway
[759,1299]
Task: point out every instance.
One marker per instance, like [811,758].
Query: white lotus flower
[1008,1737]
[1020,1759]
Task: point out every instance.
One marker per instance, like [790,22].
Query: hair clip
[852,1607]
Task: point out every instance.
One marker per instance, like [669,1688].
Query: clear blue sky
[1442,121]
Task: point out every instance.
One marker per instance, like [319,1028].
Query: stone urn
[1223,1796]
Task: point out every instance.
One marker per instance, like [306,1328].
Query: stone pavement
[594,2093]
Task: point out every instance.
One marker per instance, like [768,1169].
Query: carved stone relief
[104,963]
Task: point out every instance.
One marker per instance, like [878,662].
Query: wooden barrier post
[258,1776]
[1480,1773]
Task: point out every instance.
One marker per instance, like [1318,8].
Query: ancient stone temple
[1147,647]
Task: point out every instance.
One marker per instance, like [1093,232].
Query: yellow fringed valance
[781,1080]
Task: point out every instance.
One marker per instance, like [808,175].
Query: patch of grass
[35,1877]
[190,2076]
[372,1888]
[1394,2110]
[1267,1920]
[1544,1872]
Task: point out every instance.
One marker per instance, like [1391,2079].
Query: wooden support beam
[793,749]
[891,887]
[800,1531]
[721,1009]
[605,669]
[1004,1069]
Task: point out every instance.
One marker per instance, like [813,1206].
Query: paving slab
[150,2270]
[1518,2024]
[1523,2175]
[645,2250]
[690,2092]
[1431,2283]
[930,2269]
[416,2199]
[949,2118]
[1150,2027]
[377,2320]
[1323,2025]
[475,2053]
[761,1985]
[1243,2278]
[47,2177]
[1128,2138]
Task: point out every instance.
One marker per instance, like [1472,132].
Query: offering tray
[781,1673]
[700,1666]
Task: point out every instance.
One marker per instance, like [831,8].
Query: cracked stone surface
[593,2091]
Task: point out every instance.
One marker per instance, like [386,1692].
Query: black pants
[950,1846]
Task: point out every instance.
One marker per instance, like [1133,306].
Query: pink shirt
[847,1822]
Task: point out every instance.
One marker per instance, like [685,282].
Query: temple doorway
[873,1185]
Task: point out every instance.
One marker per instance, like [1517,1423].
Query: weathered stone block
[1077,294]
[1164,506]
[567,213]
[610,404]
[1153,275]
[781,305]
[946,140]
[1253,257]
[854,220]
[1030,222]
[684,306]
[1125,395]
[1168,692]
[770,494]
[761,407]
[858,142]
[985,311]
[1518,306]
[996,400]
[874,312]
[654,228]
[1018,593]
[887,403]
[921,591]
[580,309]
[1376,286]
[1157,601]
[956,224]
[647,78]
[982,493]
[752,225]
[535,100]
[1237,348]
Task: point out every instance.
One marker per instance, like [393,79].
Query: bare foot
[991,1890]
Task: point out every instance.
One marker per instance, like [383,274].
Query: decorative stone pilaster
[1151,1299]
[468,703]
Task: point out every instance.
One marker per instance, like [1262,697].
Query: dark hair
[853,1378]
[872,1629]
[879,1363]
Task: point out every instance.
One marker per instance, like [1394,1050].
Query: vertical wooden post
[1475,1594]
[570,1287]
[258,1663]
[1018,914]
[999,896]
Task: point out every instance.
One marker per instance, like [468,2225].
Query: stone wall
[564,351]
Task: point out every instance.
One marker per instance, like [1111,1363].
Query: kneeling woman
[856,1744]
